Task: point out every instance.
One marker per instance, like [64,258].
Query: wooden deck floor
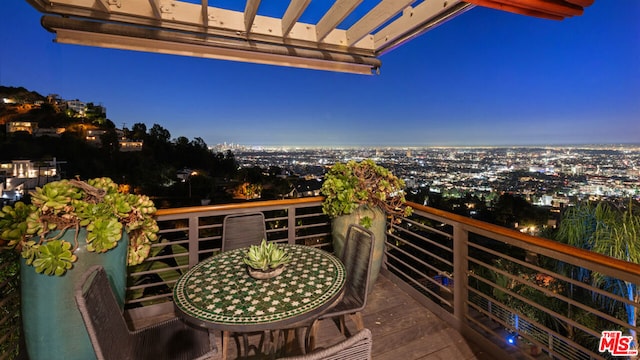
[404,329]
[401,329]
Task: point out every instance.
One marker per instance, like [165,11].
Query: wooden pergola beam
[382,12]
[155,6]
[205,13]
[332,18]
[105,4]
[293,13]
[250,11]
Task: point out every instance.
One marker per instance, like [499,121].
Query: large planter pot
[53,326]
[340,225]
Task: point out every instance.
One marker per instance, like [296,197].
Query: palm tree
[612,231]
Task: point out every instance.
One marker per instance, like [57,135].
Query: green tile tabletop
[219,293]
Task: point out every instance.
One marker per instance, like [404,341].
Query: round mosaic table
[218,293]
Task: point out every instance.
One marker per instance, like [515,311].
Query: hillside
[24,100]
[151,168]
[20,94]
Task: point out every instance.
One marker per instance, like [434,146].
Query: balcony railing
[487,281]
[497,285]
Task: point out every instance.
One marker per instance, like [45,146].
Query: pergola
[341,35]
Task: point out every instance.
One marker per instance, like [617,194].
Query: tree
[181,141]
[509,209]
[159,133]
[252,175]
[138,131]
[95,114]
[199,143]
[228,164]
[611,231]
[108,124]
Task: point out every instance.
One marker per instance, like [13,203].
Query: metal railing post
[460,268]
[291,224]
[193,240]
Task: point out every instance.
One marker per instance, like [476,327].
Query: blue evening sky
[485,78]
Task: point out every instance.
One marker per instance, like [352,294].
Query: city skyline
[484,78]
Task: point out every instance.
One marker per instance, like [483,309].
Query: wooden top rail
[238,206]
[569,251]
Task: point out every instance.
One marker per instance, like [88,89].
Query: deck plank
[403,328]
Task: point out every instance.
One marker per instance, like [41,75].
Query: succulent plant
[36,229]
[266,256]
[350,185]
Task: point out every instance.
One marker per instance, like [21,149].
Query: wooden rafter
[384,11]
[250,11]
[205,13]
[155,6]
[423,17]
[105,4]
[338,12]
[293,13]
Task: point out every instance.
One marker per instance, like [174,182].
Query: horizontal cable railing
[189,235]
[524,293]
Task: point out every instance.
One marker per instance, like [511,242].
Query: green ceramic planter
[53,326]
[340,225]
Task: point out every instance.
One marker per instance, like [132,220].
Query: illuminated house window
[128,145]
[15,126]
[21,168]
[93,136]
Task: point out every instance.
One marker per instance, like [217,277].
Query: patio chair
[357,257]
[356,347]
[111,338]
[242,230]
[238,231]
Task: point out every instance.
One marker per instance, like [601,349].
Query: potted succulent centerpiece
[70,226]
[266,260]
[367,194]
